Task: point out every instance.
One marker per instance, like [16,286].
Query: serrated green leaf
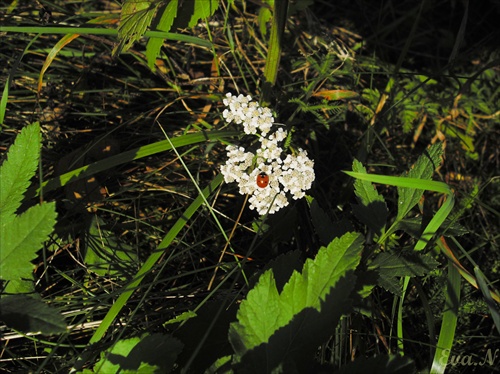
[391,266]
[413,227]
[135,18]
[19,286]
[202,9]
[21,237]
[404,264]
[26,314]
[422,169]
[18,169]
[292,347]
[364,190]
[258,314]
[164,24]
[264,311]
[283,267]
[372,210]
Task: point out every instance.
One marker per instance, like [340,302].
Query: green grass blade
[493,307]
[403,182]
[105,32]
[8,81]
[449,325]
[4,99]
[405,281]
[436,222]
[152,259]
[134,154]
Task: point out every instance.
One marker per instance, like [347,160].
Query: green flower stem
[274,50]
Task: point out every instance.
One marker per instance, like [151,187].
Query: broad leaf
[18,169]
[21,237]
[265,310]
[422,169]
[372,210]
[26,314]
[155,353]
[164,24]
[291,348]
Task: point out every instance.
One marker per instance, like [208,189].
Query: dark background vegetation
[94,106]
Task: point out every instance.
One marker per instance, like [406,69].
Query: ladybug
[262,180]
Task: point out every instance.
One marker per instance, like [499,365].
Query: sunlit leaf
[202,10]
[136,16]
[21,237]
[164,24]
[265,311]
[18,169]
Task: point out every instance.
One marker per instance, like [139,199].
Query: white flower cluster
[242,110]
[267,175]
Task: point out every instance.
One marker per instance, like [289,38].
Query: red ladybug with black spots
[262,180]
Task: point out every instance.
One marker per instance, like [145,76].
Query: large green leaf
[21,237]
[372,210]
[304,298]
[164,24]
[27,314]
[422,169]
[18,169]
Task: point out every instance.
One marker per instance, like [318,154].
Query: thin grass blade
[152,259]
[449,325]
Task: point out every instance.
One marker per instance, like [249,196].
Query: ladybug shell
[262,180]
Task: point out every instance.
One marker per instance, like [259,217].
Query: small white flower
[242,110]
[278,177]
